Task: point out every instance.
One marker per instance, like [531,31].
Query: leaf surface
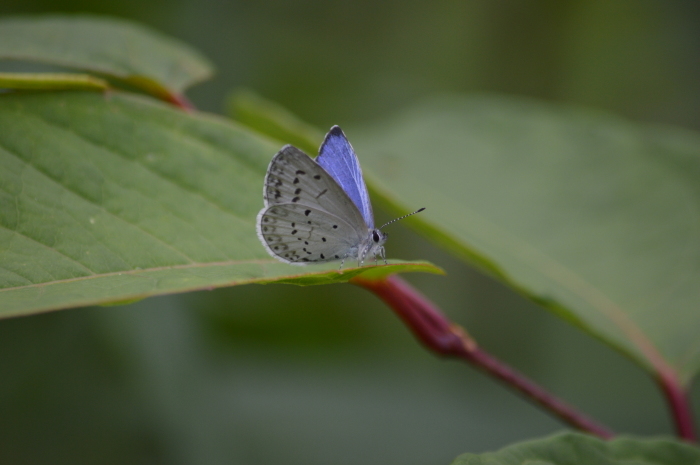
[113,198]
[595,217]
[52,81]
[580,449]
[273,120]
[110,47]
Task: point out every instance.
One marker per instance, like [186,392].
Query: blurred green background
[259,375]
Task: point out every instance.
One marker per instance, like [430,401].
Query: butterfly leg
[342,262]
[381,252]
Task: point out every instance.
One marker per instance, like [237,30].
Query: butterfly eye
[375,236]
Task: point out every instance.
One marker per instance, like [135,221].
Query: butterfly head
[373,245]
[379,237]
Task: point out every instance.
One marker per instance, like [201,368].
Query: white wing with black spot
[307,218]
[292,237]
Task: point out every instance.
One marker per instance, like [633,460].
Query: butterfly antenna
[402,217]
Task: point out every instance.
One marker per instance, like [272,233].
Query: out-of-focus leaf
[594,217]
[115,48]
[580,449]
[267,117]
[51,81]
[113,198]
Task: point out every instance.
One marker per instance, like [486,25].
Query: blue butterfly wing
[337,157]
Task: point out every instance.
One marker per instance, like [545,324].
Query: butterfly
[319,210]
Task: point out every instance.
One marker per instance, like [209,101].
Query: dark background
[327,374]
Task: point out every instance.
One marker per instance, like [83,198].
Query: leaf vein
[50,248]
[98,206]
[235,215]
[134,272]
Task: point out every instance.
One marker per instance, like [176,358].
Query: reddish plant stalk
[677,398]
[437,333]
[179,100]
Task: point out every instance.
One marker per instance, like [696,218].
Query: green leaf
[580,449]
[112,198]
[51,81]
[592,216]
[110,47]
[269,118]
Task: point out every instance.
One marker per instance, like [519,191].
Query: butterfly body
[318,210]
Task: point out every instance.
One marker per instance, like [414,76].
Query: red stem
[179,100]
[437,333]
[678,402]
